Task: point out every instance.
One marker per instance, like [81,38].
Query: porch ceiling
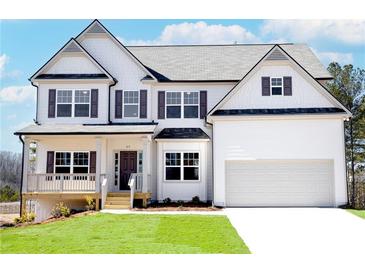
[69,129]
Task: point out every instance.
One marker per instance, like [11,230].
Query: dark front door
[128,165]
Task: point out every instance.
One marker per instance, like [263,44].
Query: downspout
[21,177]
[36,110]
[346,168]
[212,160]
[112,85]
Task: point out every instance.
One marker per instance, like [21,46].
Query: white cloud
[17,94]
[198,33]
[347,31]
[4,59]
[11,116]
[331,56]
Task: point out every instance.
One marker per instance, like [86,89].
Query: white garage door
[279,183]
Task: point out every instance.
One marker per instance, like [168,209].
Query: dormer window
[276,86]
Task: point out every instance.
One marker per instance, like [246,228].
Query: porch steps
[118,200]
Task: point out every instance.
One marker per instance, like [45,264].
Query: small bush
[167,201]
[195,200]
[90,203]
[25,218]
[180,202]
[60,210]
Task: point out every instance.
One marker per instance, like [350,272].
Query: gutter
[112,85]
[21,177]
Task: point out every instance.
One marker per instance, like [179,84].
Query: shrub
[167,201]
[90,203]
[195,200]
[25,218]
[60,210]
[7,194]
[180,202]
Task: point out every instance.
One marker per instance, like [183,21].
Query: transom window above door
[131,105]
[73,103]
[182,104]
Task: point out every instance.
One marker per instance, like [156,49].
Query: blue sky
[25,45]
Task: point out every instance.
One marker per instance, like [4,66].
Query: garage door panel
[279,183]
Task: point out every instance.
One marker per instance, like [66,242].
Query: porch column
[146,164]
[98,164]
[26,164]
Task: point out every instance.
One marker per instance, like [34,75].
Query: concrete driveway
[299,230]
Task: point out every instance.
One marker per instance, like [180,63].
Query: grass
[126,234]
[358,212]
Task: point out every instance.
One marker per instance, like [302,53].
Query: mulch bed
[178,207]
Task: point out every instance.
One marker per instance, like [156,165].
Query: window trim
[182,180]
[282,86]
[182,104]
[129,104]
[73,103]
[71,161]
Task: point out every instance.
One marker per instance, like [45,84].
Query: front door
[128,165]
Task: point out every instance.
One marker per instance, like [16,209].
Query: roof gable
[71,48]
[277,53]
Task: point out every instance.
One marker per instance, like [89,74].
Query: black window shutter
[288,86]
[161,105]
[265,85]
[50,162]
[94,103]
[92,165]
[51,103]
[203,104]
[118,103]
[143,103]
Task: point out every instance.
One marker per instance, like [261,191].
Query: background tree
[348,86]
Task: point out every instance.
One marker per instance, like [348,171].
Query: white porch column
[98,163]
[25,164]
[146,164]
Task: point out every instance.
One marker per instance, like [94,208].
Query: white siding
[73,63]
[266,139]
[304,93]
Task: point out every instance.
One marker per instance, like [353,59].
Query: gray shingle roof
[217,62]
[182,133]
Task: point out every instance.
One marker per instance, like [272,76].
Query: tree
[348,86]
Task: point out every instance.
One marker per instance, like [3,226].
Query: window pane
[191,112]
[173,112]
[191,98]
[173,98]
[64,96]
[81,169]
[62,169]
[191,173]
[130,111]
[173,159]
[276,91]
[81,158]
[63,158]
[64,110]
[140,162]
[82,96]
[191,159]
[131,97]
[173,173]
[82,110]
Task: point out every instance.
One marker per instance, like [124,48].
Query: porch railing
[49,182]
[135,183]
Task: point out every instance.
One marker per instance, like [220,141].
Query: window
[140,162]
[64,103]
[185,170]
[276,86]
[71,162]
[173,166]
[73,103]
[191,104]
[116,168]
[173,104]
[182,102]
[131,103]
[82,103]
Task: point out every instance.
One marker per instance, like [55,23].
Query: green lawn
[358,212]
[128,234]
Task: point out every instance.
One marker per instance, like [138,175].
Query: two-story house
[238,125]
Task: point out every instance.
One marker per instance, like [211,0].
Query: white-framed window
[182,104]
[116,168]
[73,102]
[182,166]
[71,162]
[276,85]
[131,104]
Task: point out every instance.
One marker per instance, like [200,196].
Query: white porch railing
[135,183]
[49,182]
